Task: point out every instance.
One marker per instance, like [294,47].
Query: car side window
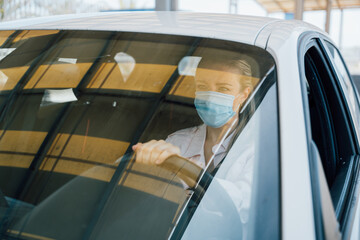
[332,132]
[346,85]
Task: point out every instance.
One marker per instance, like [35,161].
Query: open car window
[72,105]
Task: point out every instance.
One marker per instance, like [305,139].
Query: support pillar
[328,15]
[166,5]
[341,28]
[299,9]
[233,6]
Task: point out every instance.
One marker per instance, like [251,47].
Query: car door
[350,228]
[332,119]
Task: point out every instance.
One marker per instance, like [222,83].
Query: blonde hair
[244,68]
[235,65]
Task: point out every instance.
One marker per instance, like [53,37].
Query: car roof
[231,27]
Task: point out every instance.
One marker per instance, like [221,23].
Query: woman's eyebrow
[228,84]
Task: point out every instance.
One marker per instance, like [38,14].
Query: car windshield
[75,105]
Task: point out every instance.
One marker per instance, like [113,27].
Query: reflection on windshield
[188,65]
[126,64]
[75,107]
[5,51]
[57,96]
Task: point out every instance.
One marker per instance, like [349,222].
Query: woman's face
[225,82]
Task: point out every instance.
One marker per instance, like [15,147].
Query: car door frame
[352,201]
[320,225]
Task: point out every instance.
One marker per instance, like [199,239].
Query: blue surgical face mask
[214,108]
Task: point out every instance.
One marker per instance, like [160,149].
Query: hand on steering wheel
[167,156]
[154,152]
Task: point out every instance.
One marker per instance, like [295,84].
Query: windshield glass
[109,135]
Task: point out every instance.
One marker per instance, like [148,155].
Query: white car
[279,158]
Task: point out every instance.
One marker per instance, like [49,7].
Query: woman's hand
[154,152]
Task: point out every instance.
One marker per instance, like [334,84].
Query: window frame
[347,191]
[344,209]
[108,190]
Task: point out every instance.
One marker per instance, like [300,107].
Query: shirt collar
[224,144]
[196,146]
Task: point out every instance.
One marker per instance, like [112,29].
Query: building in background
[18,9]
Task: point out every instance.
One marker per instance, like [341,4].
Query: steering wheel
[186,170]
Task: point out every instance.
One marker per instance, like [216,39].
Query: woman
[221,89]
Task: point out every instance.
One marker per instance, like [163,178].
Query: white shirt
[191,143]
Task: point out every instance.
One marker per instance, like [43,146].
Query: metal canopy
[288,6]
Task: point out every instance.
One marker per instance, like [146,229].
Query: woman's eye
[223,89]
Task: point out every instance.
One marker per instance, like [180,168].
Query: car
[83,94]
